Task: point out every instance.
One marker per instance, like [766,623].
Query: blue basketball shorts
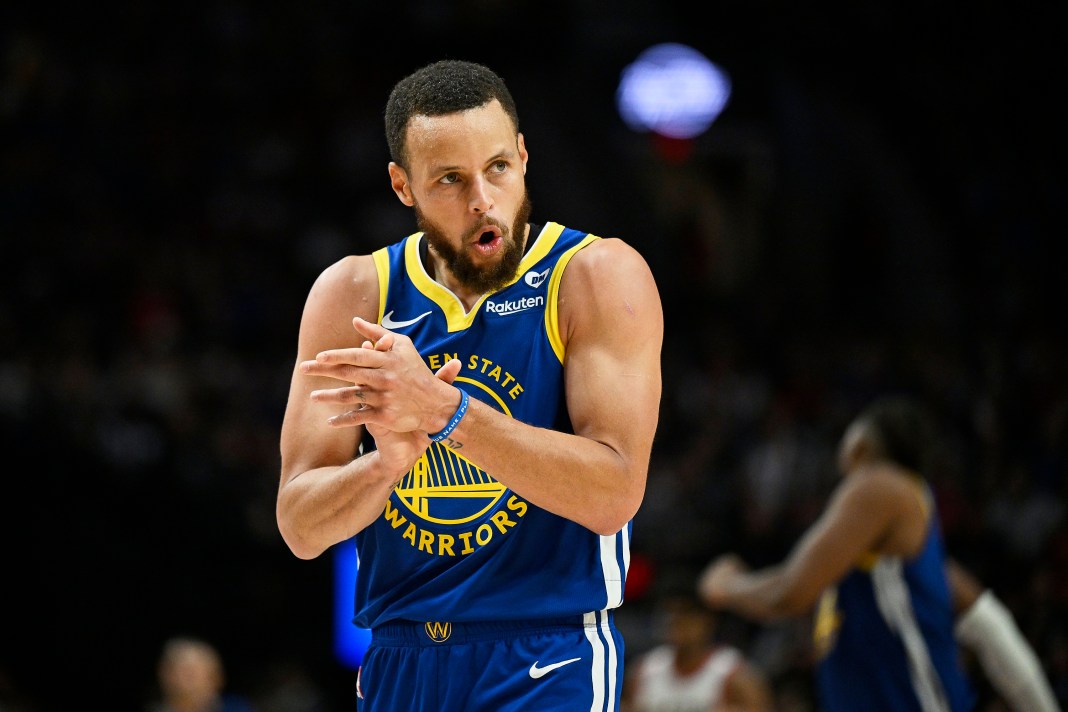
[551,665]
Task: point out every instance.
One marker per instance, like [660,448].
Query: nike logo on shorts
[388,323]
[536,672]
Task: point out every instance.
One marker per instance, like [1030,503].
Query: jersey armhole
[552,313]
[381,258]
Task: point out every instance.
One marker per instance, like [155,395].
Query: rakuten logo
[514,306]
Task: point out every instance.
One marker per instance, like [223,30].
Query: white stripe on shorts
[604,695]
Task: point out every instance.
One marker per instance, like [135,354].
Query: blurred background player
[689,671]
[873,567]
[191,678]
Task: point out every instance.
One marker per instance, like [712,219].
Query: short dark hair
[444,87]
[904,430]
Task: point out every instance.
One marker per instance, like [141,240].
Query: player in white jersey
[689,672]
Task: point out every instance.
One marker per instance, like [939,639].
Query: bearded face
[478,278]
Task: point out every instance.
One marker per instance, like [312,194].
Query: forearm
[989,630]
[763,595]
[321,507]
[576,477]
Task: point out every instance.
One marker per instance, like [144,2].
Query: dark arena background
[874,209]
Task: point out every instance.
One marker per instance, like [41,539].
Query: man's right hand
[400,451]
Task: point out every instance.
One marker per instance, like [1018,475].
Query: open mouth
[489,241]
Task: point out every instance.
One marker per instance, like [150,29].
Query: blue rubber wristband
[461,411]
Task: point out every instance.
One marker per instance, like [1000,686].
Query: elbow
[609,520]
[607,527]
[298,544]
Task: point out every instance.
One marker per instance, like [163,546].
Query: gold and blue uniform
[884,636]
[459,573]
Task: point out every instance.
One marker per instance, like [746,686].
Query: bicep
[858,517]
[613,336]
[343,291]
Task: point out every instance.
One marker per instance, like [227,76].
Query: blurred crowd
[173,180]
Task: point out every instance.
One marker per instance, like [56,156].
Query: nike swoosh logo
[536,672]
[388,323]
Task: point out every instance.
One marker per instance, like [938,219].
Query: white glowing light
[672,89]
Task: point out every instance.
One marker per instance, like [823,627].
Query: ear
[854,448]
[398,178]
[523,155]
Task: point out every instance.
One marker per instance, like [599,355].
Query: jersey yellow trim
[552,316]
[542,244]
[381,258]
[456,317]
[867,561]
[923,493]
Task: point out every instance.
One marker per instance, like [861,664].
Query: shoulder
[346,288]
[883,482]
[348,272]
[353,277]
[871,497]
[656,659]
[893,496]
[609,275]
[609,256]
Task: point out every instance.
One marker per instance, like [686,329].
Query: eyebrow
[508,154]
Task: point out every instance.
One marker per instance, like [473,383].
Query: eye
[450,178]
[500,166]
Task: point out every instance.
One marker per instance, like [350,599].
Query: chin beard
[458,262]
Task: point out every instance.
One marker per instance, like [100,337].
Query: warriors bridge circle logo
[446,506]
[445,488]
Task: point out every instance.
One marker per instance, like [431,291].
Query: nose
[479,199]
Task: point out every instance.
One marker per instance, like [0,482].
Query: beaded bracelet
[461,411]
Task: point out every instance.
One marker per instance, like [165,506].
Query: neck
[436,267]
[689,658]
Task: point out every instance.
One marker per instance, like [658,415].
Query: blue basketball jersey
[884,636]
[453,543]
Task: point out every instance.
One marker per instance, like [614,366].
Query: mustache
[484,222]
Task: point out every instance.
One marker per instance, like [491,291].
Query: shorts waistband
[401,632]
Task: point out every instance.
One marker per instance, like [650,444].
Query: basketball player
[873,567]
[690,672]
[508,372]
[192,678]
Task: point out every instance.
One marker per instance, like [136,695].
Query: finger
[386,342]
[372,331]
[353,394]
[350,418]
[360,357]
[356,356]
[449,371]
[366,379]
